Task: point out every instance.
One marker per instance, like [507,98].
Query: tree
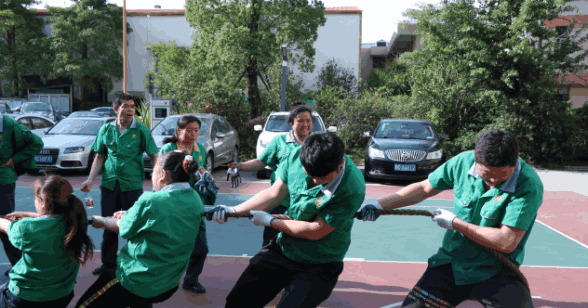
[491,63]
[334,75]
[22,45]
[87,42]
[243,39]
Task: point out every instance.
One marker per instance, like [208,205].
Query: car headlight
[435,155]
[375,153]
[73,150]
[263,143]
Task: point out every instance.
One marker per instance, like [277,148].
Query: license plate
[43,159]
[405,167]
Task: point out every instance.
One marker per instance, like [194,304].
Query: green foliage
[486,64]
[240,40]
[22,45]
[86,43]
[145,113]
[334,75]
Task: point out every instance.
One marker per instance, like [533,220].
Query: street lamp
[284,69]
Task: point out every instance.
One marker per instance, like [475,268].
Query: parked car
[36,124]
[67,145]
[277,124]
[4,108]
[219,138]
[88,114]
[402,149]
[108,110]
[41,109]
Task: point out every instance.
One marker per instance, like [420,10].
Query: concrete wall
[578,96]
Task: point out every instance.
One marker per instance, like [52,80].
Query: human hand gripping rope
[223,214]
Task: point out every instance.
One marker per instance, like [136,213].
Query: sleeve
[98,145]
[522,210]
[148,142]
[34,144]
[282,171]
[16,234]
[443,178]
[136,219]
[269,156]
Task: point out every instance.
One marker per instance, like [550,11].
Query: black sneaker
[194,288]
[102,269]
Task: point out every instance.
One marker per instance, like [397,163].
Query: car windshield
[94,114]
[77,127]
[167,127]
[405,130]
[3,108]
[279,124]
[36,107]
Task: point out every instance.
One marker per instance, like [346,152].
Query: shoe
[194,288]
[102,269]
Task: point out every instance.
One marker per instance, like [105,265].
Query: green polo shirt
[161,228]
[276,152]
[513,203]
[12,133]
[336,203]
[124,154]
[199,154]
[45,272]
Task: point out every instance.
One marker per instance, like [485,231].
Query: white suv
[277,124]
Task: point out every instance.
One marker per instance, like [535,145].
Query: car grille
[49,152]
[406,155]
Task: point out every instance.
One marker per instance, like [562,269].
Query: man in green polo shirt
[18,146]
[306,258]
[300,118]
[497,196]
[119,149]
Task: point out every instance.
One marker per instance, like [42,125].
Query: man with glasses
[119,149]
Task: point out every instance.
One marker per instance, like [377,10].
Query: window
[25,122]
[39,123]
[224,126]
[160,112]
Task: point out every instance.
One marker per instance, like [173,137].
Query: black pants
[437,288]
[306,285]
[197,258]
[7,192]
[113,201]
[9,300]
[114,295]
[268,232]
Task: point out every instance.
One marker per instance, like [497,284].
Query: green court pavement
[390,238]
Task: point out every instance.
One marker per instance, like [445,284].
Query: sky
[379,17]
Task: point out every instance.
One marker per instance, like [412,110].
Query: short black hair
[497,148]
[296,111]
[120,97]
[321,153]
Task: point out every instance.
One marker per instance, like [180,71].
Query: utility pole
[284,69]
[125,53]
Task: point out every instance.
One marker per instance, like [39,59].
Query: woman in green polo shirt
[184,139]
[54,242]
[149,272]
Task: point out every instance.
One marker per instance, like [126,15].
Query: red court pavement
[381,284]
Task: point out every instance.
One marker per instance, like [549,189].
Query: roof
[182,12]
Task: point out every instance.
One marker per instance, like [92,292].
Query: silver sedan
[67,145]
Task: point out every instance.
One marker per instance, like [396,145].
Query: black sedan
[402,149]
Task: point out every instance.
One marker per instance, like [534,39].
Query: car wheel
[90,161]
[210,161]
[366,171]
[260,175]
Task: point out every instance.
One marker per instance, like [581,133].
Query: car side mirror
[332,129]
[220,135]
[366,134]
[257,128]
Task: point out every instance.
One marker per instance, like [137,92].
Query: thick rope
[495,253]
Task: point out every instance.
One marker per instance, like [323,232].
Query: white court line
[393,305]
[561,233]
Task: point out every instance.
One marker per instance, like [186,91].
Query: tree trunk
[252,90]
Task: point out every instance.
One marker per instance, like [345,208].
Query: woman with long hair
[54,242]
[184,139]
[161,228]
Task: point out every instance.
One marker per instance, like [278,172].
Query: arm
[96,167]
[153,157]
[250,165]
[409,195]
[310,230]
[504,239]
[4,224]
[265,200]
[106,223]
[18,215]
